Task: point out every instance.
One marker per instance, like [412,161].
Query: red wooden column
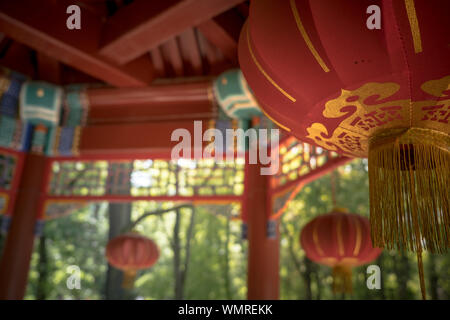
[263,252]
[15,262]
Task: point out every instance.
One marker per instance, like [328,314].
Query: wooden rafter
[171,50]
[153,103]
[158,62]
[143,25]
[43,28]
[190,52]
[223,32]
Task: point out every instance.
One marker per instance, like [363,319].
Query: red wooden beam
[223,32]
[154,103]
[143,25]
[130,198]
[136,138]
[15,262]
[298,184]
[263,252]
[42,26]
[314,174]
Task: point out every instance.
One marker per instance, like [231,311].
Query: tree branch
[156,213]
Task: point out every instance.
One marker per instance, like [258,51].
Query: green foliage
[206,274]
[78,239]
[398,271]
[217,263]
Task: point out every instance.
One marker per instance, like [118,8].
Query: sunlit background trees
[203,253]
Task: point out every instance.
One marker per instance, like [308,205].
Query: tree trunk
[180,271]
[177,257]
[187,250]
[402,271]
[379,262]
[318,283]
[308,264]
[41,289]
[227,261]
[307,277]
[119,218]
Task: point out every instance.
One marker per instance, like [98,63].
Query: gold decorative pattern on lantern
[364,119]
[305,37]
[414,25]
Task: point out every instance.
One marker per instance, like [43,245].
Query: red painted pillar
[15,262]
[263,252]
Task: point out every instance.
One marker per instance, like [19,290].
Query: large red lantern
[131,252]
[322,74]
[339,240]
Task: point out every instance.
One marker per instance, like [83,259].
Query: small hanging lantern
[340,240]
[131,252]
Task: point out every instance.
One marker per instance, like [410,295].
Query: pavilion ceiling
[123,43]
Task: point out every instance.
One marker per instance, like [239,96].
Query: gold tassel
[409,171]
[128,279]
[342,279]
[409,193]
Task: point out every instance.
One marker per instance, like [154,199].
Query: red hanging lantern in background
[131,252]
[320,73]
[340,240]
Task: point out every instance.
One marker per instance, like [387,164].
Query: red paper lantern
[319,72]
[340,240]
[131,252]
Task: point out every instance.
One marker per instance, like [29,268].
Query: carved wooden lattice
[298,159]
[141,178]
[300,163]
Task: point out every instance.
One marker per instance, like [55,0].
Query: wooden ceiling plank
[158,62]
[190,51]
[43,28]
[207,50]
[223,32]
[172,52]
[143,25]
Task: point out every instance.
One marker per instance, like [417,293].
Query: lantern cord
[421,275]
[417,232]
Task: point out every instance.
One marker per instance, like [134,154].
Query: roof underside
[123,43]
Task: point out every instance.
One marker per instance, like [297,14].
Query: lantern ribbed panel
[132,252]
[338,239]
